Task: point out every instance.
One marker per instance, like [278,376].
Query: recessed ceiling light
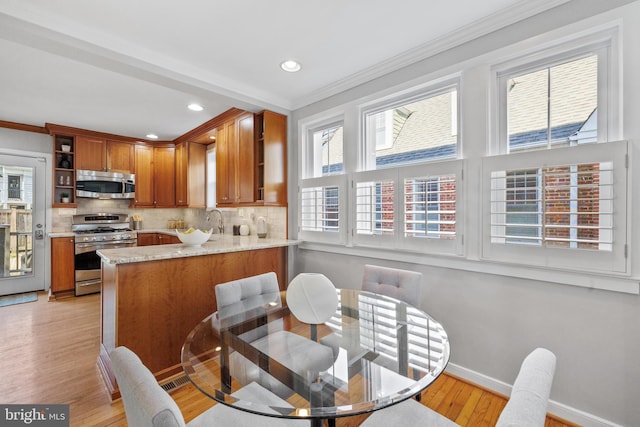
[195,107]
[152,136]
[290,66]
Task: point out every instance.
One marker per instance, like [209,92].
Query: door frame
[48,174]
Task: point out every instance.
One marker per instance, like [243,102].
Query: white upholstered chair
[146,404]
[404,285]
[252,293]
[527,406]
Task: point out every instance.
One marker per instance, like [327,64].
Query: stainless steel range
[94,232]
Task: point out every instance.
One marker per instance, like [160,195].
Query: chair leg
[331,422]
[418,397]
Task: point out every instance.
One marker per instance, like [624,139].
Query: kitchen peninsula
[152,296]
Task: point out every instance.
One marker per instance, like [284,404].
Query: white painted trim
[508,16]
[556,408]
[623,284]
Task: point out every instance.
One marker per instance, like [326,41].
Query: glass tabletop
[374,351]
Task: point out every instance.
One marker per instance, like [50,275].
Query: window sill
[614,283]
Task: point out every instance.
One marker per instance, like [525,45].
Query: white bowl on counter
[194,236]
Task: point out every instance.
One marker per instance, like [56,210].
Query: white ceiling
[130,67]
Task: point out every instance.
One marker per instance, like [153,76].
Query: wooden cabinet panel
[155,176]
[98,154]
[149,239]
[146,239]
[91,153]
[164,176]
[225,164]
[182,160]
[144,176]
[62,264]
[245,155]
[165,239]
[120,157]
[197,176]
[235,161]
[191,176]
[275,158]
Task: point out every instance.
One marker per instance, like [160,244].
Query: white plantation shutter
[539,209]
[322,209]
[413,208]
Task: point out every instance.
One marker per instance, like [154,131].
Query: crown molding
[508,16]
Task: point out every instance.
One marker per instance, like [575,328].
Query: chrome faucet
[220,221]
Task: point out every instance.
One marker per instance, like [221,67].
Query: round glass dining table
[375,351]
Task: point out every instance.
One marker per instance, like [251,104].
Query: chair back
[238,297]
[404,285]
[145,402]
[527,406]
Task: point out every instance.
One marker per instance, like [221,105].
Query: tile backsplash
[155,219]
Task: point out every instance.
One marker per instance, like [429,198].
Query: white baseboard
[556,408]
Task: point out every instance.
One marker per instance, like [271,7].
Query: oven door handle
[91,247]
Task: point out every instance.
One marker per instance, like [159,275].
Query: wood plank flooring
[48,353]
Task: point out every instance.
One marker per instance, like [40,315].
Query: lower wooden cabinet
[62,264]
[149,239]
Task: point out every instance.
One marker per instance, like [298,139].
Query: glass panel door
[22,261]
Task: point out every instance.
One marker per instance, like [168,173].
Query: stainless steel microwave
[105,185]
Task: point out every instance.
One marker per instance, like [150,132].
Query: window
[557,210]
[322,216]
[558,101]
[412,208]
[555,106]
[410,131]
[325,151]
[14,191]
[577,202]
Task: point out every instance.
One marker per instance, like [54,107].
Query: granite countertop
[215,245]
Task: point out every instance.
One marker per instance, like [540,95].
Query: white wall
[494,321]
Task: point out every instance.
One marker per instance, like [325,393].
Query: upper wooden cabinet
[155,176]
[251,160]
[271,158]
[191,178]
[226,153]
[245,168]
[100,154]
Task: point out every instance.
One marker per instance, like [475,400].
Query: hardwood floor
[48,354]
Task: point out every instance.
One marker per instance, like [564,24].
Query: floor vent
[175,383]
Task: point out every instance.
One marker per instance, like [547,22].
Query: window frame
[574,259]
[399,240]
[308,160]
[605,44]
[367,147]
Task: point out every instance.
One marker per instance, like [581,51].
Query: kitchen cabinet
[62,265]
[64,172]
[235,161]
[143,155]
[155,176]
[271,159]
[191,177]
[150,239]
[226,153]
[99,154]
[164,175]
